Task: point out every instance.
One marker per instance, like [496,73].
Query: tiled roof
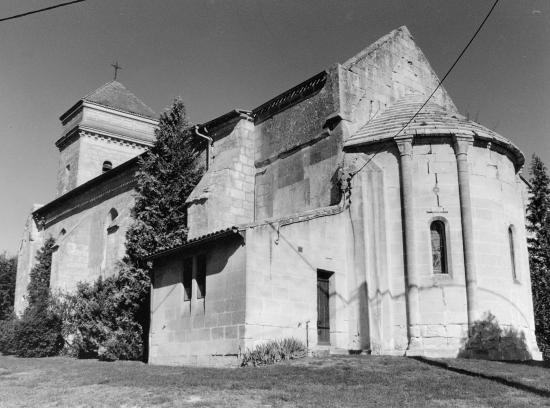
[433,119]
[195,241]
[115,95]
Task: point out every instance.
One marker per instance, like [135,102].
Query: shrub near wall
[100,317]
[273,352]
[7,332]
[38,332]
[8,271]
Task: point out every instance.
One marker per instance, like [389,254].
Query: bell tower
[101,131]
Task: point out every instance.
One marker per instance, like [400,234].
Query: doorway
[323,307]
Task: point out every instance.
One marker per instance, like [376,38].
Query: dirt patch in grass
[339,381]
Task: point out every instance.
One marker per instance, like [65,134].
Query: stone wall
[90,242]
[68,168]
[225,195]
[377,244]
[382,73]
[443,307]
[297,156]
[282,262]
[31,242]
[96,149]
[497,203]
[94,134]
[207,331]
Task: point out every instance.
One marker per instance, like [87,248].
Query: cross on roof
[116,67]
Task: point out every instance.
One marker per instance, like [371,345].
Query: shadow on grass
[530,363]
[489,341]
[501,380]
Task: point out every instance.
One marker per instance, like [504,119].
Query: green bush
[8,271]
[7,336]
[489,341]
[274,351]
[100,317]
[38,334]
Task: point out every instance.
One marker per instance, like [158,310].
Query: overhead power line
[41,10]
[438,85]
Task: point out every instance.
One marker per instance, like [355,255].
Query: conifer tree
[38,332]
[39,285]
[538,226]
[168,173]
[110,317]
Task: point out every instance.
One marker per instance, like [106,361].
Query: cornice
[82,131]
[104,108]
[119,112]
[98,197]
[290,98]
[39,213]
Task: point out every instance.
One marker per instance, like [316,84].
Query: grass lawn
[338,381]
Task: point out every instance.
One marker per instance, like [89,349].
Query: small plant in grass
[273,352]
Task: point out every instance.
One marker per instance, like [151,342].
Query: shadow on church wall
[489,341]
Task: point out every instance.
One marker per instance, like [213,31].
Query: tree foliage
[8,271]
[109,318]
[168,173]
[100,317]
[39,285]
[38,332]
[538,226]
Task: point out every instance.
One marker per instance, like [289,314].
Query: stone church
[102,136]
[324,215]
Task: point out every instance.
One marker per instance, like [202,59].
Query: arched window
[113,213]
[512,251]
[107,165]
[112,223]
[110,242]
[439,247]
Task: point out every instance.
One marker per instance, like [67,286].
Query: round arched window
[439,247]
[113,214]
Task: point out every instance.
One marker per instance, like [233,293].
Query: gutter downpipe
[209,145]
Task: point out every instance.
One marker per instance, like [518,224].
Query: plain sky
[218,55]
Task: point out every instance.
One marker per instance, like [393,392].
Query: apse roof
[115,95]
[432,120]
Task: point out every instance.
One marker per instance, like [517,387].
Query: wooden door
[323,318]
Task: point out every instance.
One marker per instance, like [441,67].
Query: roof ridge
[115,95]
[85,97]
[376,45]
